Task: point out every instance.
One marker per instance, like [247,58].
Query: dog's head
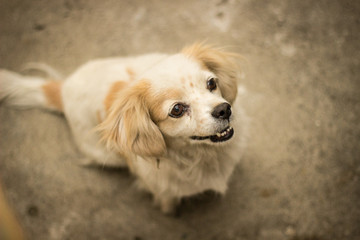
[186,97]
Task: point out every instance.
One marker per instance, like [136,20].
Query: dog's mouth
[222,136]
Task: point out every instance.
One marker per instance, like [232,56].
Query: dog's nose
[222,111]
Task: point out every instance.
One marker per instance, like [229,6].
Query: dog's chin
[220,137]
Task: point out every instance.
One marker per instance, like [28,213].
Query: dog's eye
[211,84]
[178,110]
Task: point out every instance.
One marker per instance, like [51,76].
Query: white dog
[170,118]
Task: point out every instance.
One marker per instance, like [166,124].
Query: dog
[172,119]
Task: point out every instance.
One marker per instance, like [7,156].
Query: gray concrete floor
[299,178]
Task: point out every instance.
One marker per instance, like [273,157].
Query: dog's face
[186,97]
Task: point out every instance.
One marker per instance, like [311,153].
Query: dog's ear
[128,126]
[224,64]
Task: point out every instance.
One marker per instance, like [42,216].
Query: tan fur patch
[113,93]
[210,57]
[98,116]
[52,92]
[155,103]
[128,126]
[223,64]
[131,73]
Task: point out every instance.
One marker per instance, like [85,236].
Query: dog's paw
[167,205]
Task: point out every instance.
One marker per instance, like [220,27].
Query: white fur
[21,92]
[189,166]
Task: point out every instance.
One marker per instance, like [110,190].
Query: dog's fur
[126,103]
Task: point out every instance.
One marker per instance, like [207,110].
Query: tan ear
[128,126]
[223,64]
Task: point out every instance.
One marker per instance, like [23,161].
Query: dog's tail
[23,92]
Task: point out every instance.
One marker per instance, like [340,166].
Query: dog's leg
[97,155]
[167,204]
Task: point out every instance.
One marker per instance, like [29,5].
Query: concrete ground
[299,178]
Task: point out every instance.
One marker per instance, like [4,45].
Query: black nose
[222,111]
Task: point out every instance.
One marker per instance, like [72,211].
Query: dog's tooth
[218,134]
